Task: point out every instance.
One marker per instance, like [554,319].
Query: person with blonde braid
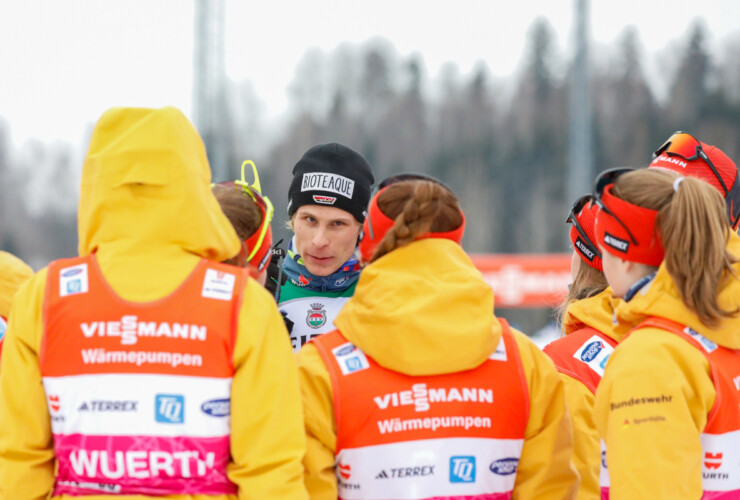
[421,391]
[667,406]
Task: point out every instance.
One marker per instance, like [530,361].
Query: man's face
[325,237]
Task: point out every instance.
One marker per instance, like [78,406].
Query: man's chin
[321,269]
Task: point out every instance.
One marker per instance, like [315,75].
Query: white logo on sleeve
[595,353]
[218,285]
[73,280]
[350,359]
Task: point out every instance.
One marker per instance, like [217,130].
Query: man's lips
[319,259]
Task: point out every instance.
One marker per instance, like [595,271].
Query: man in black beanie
[327,204]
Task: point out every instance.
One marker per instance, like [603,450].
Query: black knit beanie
[332,175]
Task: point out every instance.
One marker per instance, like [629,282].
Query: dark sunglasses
[689,148]
[603,180]
[572,219]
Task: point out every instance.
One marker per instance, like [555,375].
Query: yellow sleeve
[26,443]
[651,407]
[587,449]
[545,470]
[267,440]
[321,430]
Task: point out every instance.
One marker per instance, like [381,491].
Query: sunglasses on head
[607,178]
[689,148]
[254,191]
[573,219]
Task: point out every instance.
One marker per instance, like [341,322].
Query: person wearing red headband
[421,391]
[581,354]
[250,213]
[667,406]
[684,154]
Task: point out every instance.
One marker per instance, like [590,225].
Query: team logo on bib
[316,316]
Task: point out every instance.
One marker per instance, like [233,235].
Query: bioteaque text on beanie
[332,175]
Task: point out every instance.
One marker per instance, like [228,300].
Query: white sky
[64,62]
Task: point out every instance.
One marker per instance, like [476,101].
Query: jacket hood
[15,273]
[143,162]
[661,298]
[422,309]
[595,312]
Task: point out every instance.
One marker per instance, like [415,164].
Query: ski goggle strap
[628,231]
[377,225]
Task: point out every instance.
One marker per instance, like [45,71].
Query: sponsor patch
[217,407]
[462,469]
[73,280]
[109,406]
[350,359]
[129,329]
[169,408]
[323,181]
[54,403]
[218,285]
[706,344]
[344,470]
[585,251]
[406,472]
[595,353]
[616,243]
[504,466]
[324,200]
[712,460]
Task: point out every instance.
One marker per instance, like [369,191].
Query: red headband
[616,240]
[377,225]
[260,259]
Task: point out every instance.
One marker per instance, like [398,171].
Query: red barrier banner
[526,280]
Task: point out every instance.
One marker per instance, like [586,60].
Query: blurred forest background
[500,143]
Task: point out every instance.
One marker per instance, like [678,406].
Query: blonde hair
[693,226]
[417,207]
[587,283]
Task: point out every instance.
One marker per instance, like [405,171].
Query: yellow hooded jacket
[653,448]
[147,211]
[594,312]
[14,273]
[424,309]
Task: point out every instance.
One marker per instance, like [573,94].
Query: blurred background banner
[521,280]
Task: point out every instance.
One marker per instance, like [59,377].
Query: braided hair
[418,207]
